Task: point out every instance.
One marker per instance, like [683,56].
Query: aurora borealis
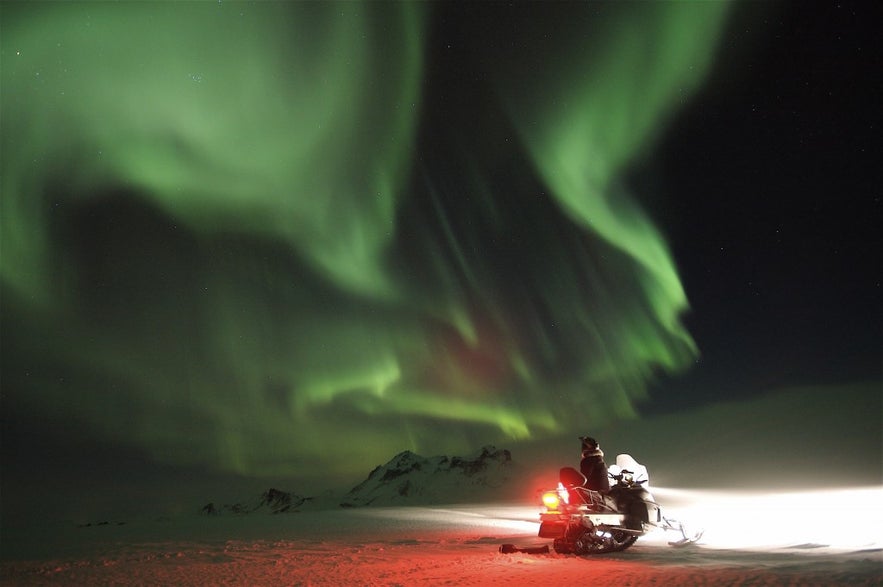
[260,238]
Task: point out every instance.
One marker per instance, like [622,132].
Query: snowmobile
[582,521]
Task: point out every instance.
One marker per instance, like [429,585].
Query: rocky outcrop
[412,479]
[407,479]
[272,501]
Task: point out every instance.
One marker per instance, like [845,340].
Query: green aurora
[225,244]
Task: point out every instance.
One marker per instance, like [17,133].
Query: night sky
[271,239]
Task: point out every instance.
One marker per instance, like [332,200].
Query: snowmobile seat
[575,482]
[570,478]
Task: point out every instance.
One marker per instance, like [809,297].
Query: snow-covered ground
[809,538]
[776,510]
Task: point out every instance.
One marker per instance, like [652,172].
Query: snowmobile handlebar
[626,478]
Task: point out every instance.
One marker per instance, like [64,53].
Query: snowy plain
[791,541]
[767,521]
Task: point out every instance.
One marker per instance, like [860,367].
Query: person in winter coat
[593,466]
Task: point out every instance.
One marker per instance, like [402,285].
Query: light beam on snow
[814,520]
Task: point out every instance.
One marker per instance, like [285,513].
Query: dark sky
[256,239]
[777,235]
[767,189]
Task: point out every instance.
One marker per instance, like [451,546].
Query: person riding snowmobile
[593,466]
